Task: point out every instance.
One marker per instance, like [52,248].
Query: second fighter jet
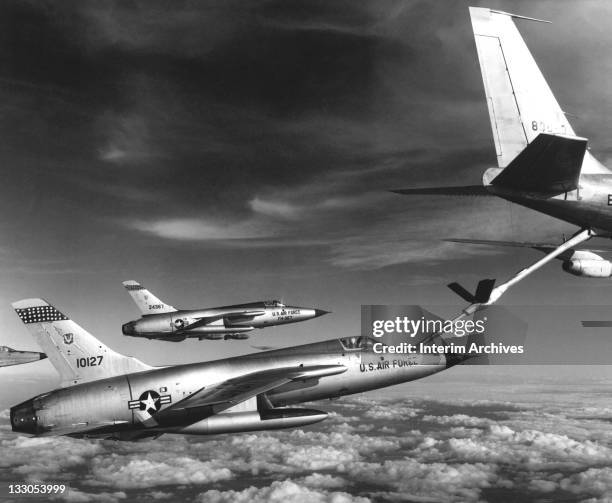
[162,321]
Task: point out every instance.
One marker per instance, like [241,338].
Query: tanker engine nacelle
[588,264]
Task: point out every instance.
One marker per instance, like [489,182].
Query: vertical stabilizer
[521,104]
[76,354]
[145,300]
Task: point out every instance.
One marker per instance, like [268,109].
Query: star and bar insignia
[150,401]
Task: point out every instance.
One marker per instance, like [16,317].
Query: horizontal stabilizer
[466,190]
[549,164]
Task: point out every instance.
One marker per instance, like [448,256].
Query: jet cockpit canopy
[274,303]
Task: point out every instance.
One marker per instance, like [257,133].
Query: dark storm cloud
[245,124]
[205,120]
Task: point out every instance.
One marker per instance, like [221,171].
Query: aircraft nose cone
[320,312]
[128,328]
[43,356]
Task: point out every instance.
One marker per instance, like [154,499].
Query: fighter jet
[164,322]
[541,162]
[108,395]
[10,356]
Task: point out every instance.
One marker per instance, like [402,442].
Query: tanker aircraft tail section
[76,354]
[541,163]
[145,300]
[521,104]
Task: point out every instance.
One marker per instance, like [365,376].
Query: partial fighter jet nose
[320,312]
[43,356]
[128,328]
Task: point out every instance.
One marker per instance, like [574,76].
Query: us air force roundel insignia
[150,401]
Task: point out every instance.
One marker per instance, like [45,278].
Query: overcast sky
[225,152]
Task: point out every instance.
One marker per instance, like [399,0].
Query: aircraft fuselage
[9,356]
[128,405]
[217,323]
[589,206]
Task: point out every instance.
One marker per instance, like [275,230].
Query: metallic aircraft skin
[10,356]
[164,322]
[110,395]
[256,315]
[105,403]
[105,394]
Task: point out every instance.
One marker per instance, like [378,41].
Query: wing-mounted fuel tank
[235,422]
[255,414]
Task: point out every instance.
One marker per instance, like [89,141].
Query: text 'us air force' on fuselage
[162,321]
[109,395]
[541,162]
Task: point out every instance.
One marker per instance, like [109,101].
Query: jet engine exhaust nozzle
[24,418]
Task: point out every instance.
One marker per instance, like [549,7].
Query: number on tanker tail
[547,127]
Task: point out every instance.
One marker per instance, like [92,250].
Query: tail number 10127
[92,361]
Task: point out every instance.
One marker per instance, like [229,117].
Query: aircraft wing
[238,315]
[212,400]
[232,315]
[466,190]
[542,247]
